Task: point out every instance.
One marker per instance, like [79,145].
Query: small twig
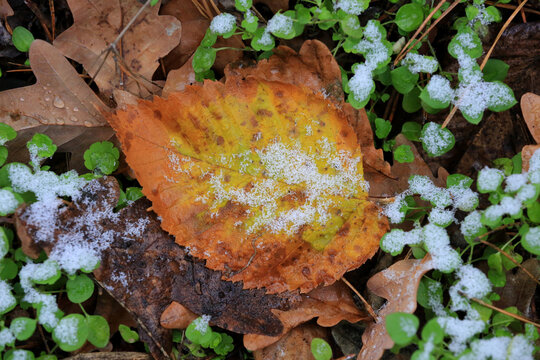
[53,18]
[424,23]
[42,19]
[234,273]
[523,17]
[6,220]
[506,24]
[446,12]
[509,257]
[366,304]
[389,105]
[512,7]
[259,15]
[216,9]
[502,311]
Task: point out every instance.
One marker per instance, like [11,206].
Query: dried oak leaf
[398,284]
[329,304]
[146,270]
[59,104]
[5,9]
[261,179]
[98,23]
[194,25]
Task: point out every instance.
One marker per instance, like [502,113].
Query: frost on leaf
[263,180]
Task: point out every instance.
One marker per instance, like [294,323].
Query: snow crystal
[439,89]
[494,348]
[372,46]
[223,23]
[437,244]
[466,40]
[280,23]
[471,224]
[427,349]
[21,355]
[8,202]
[473,283]
[419,63]
[534,161]
[361,83]
[520,348]
[441,217]
[533,236]
[6,337]
[460,331]
[395,240]
[351,7]
[510,206]
[201,323]
[464,198]
[527,192]
[514,182]
[66,330]
[408,326]
[434,139]
[266,38]
[7,300]
[393,210]
[489,179]
[423,186]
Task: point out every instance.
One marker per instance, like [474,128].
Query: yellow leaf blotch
[262,179]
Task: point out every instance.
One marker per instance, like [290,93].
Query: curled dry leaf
[5,9]
[273,199]
[194,25]
[98,23]
[329,304]
[295,345]
[177,316]
[398,285]
[178,79]
[142,259]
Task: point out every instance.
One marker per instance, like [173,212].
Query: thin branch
[509,257]
[366,304]
[42,19]
[512,7]
[53,18]
[502,311]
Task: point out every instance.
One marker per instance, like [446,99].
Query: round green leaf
[531,240]
[203,59]
[262,40]
[320,349]
[401,327]
[495,70]
[71,332]
[42,145]
[79,289]
[19,354]
[199,332]
[23,327]
[22,38]
[409,17]
[403,154]
[459,180]
[403,79]
[127,334]
[433,331]
[411,101]
[429,290]
[6,133]
[435,140]
[3,154]
[98,330]
[412,130]
[382,128]
[243,5]
[102,156]
[8,269]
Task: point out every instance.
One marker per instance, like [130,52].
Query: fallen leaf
[183,156]
[148,263]
[5,9]
[274,5]
[526,154]
[519,289]
[295,345]
[530,106]
[329,304]
[59,96]
[178,79]
[98,23]
[194,26]
[177,316]
[398,285]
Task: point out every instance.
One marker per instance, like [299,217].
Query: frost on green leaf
[103,157]
[223,24]
[435,140]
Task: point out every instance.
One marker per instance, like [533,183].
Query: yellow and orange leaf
[262,179]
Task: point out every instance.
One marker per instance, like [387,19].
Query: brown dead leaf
[398,285]
[5,9]
[194,26]
[98,23]
[526,153]
[520,288]
[176,316]
[146,272]
[330,305]
[274,5]
[178,79]
[59,96]
[530,106]
[295,345]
